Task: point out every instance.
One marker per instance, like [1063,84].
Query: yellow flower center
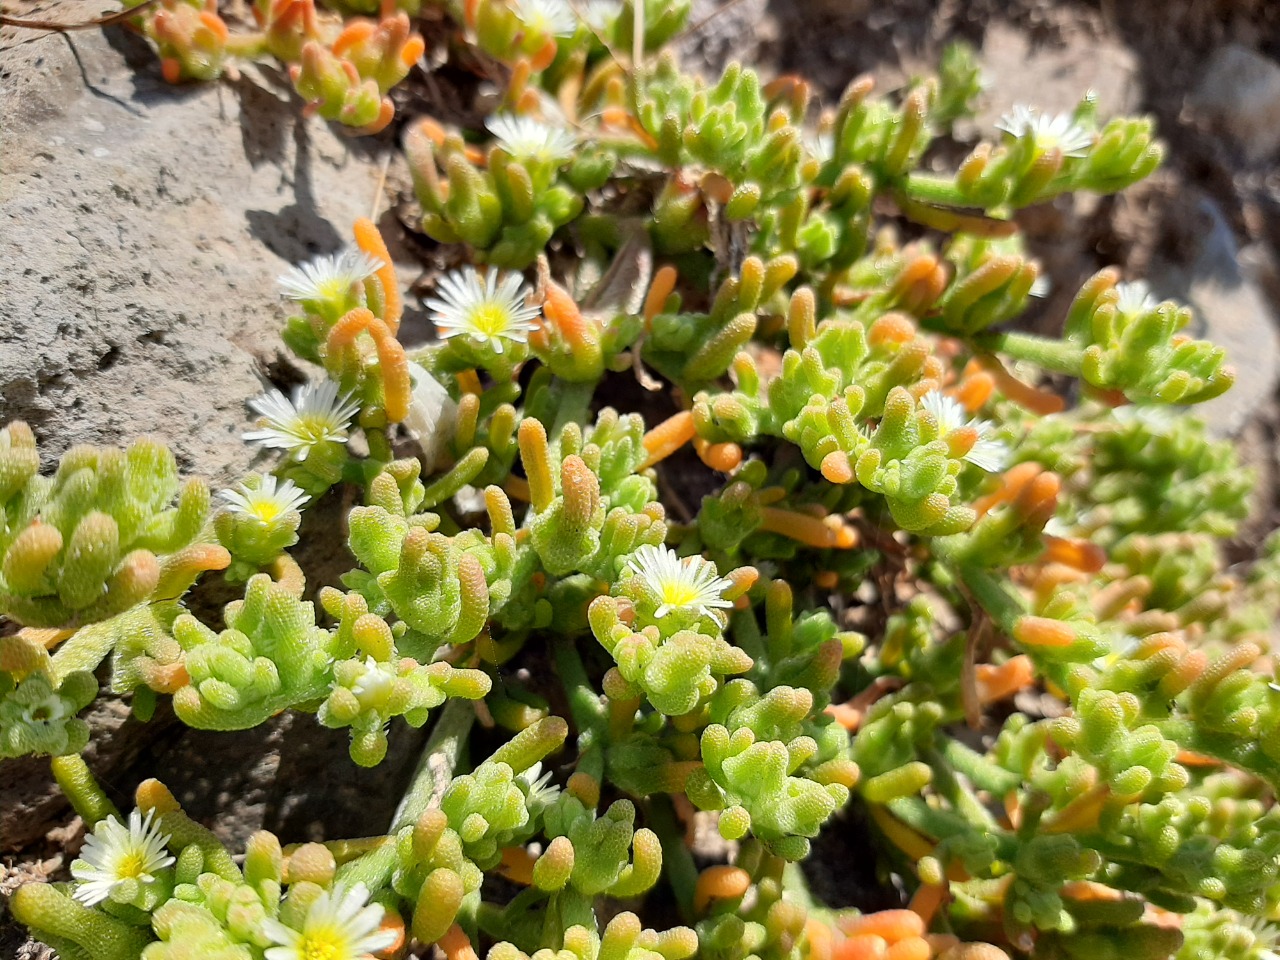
[320,946]
[315,427]
[678,594]
[132,864]
[266,510]
[490,319]
[333,288]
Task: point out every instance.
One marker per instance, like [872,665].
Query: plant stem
[574,404]
[1059,356]
[373,869]
[247,46]
[588,712]
[435,769]
[949,786]
[933,189]
[797,886]
[436,765]
[1243,754]
[943,824]
[590,716]
[983,773]
[1003,608]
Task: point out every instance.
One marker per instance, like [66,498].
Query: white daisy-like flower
[530,140]
[113,854]
[989,454]
[820,145]
[373,684]
[316,414]
[1041,288]
[1135,298]
[328,277]
[551,17]
[1249,937]
[1050,132]
[482,308]
[267,501]
[600,14]
[691,583]
[539,791]
[340,925]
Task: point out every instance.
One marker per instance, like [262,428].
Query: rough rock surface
[141,230]
[1232,310]
[1239,96]
[1053,78]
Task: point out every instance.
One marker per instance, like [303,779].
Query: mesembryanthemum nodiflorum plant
[888,527]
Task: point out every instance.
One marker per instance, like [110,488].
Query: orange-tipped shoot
[353,34]
[456,945]
[1078,554]
[891,925]
[1038,500]
[1000,682]
[392,363]
[716,187]
[821,940]
[850,714]
[370,241]
[836,467]
[926,901]
[721,882]
[47,637]
[21,655]
[668,437]
[912,948]
[585,787]
[1012,483]
[544,56]
[392,923]
[891,328]
[829,532]
[974,390]
[1037,401]
[664,282]
[181,569]
[1043,632]
[154,796]
[517,865]
[724,457]
[861,947]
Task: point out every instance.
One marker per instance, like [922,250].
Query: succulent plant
[902,526]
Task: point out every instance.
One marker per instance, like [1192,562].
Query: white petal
[990,455]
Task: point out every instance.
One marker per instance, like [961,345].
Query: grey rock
[1239,96]
[1053,79]
[718,32]
[141,229]
[1233,311]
